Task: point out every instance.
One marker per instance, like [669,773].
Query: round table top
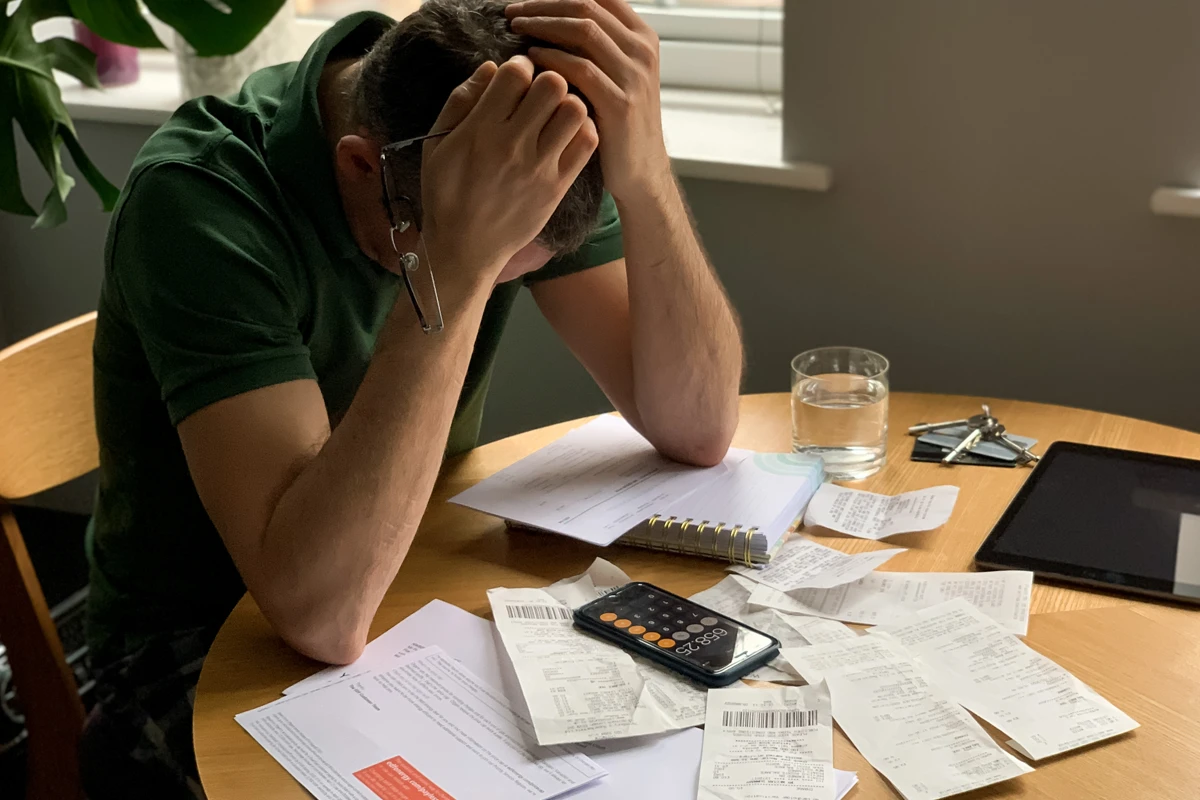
[458,554]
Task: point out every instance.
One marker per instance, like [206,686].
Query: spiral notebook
[603,483]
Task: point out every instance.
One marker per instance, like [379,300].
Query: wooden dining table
[1143,656]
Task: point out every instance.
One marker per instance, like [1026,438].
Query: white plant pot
[223,75]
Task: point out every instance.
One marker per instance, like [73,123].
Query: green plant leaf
[121,20]
[215,27]
[54,207]
[107,192]
[45,9]
[74,59]
[30,96]
[12,199]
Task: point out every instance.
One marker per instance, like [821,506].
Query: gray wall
[989,225]
[988,228]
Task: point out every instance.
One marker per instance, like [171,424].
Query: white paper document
[581,689]
[875,516]
[1046,709]
[884,597]
[899,719]
[803,564]
[425,728]
[768,744]
[632,764]
[594,484]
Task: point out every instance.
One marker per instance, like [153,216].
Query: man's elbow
[330,647]
[316,631]
[702,448]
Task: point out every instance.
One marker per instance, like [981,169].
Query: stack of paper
[447,705]
[898,693]
[630,764]
[1046,709]
[594,484]
[603,482]
[426,724]
[901,721]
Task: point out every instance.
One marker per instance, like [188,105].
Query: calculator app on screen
[656,619]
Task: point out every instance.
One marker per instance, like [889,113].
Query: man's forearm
[344,525]
[687,348]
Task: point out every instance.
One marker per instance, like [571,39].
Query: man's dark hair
[411,71]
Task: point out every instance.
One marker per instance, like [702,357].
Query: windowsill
[722,136]
[1168,201]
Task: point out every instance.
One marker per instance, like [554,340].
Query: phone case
[672,662]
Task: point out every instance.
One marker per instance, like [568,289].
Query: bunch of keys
[982,428]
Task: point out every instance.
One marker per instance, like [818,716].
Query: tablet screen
[1103,515]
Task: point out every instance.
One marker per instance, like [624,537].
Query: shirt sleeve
[602,247]
[208,279]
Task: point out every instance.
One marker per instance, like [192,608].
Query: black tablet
[1117,519]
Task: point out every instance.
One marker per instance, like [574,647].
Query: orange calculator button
[622,623]
[666,644]
[609,617]
[651,636]
[637,630]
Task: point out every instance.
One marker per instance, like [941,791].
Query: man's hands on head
[611,55]
[490,186]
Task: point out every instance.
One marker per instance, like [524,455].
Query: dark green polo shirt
[229,266]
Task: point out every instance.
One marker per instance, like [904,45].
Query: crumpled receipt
[578,688]
[868,515]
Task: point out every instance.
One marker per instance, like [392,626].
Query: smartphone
[684,636]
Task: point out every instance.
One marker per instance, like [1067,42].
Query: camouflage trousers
[138,738]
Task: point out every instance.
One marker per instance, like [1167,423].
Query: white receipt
[594,484]
[875,516]
[730,597]
[905,725]
[884,597]
[632,764]
[768,744]
[578,688]
[817,630]
[425,727]
[1046,709]
[803,564]
[600,579]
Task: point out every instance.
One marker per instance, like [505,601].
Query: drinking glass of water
[840,409]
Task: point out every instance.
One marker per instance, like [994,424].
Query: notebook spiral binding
[671,534]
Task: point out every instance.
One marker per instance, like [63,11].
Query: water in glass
[843,419]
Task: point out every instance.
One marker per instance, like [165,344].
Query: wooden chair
[47,437]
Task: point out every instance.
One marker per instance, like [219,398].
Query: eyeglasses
[409,262]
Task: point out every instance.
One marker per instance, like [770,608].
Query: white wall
[988,229]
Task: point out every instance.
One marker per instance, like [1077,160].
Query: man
[273,414]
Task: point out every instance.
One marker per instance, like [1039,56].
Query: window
[730,45]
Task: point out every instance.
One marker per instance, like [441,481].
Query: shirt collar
[297,150]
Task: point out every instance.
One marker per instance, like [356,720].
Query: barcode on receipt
[538,612]
[775,718]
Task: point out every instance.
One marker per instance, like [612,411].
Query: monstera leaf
[30,98]
[212,27]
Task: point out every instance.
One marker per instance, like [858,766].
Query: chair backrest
[47,437]
[47,422]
